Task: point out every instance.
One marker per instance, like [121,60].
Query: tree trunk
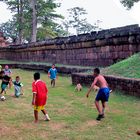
[20,21]
[34,20]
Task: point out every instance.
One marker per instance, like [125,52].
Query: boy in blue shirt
[52,74]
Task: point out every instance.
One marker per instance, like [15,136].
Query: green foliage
[78,21]
[129,3]
[9,29]
[128,68]
[46,18]
[72,114]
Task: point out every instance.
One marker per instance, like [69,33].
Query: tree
[34,16]
[78,21]
[33,4]
[10,29]
[129,3]
[16,6]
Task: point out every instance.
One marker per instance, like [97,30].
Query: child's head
[36,76]
[53,66]
[17,78]
[96,71]
[6,67]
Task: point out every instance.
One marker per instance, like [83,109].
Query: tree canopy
[129,3]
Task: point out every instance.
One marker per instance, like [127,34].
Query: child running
[40,93]
[18,87]
[103,93]
[52,74]
[4,83]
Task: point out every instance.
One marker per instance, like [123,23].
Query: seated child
[18,87]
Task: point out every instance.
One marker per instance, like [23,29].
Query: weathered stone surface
[101,48]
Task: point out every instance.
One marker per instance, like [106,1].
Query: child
[5,82]
[40,93]
[18,87]
[103,93]
[52,73]
[8,72]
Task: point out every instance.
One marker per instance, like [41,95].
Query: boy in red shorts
[40,93]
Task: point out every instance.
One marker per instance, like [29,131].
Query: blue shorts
[103,94]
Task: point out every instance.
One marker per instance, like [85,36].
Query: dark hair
[17,76]
[1,72]
[53,64]
[97,70]
[36,75]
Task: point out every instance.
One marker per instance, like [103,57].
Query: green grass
[127,68]
[72,114]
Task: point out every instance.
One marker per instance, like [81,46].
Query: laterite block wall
[93,49]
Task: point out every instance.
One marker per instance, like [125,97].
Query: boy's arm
[56,74]
[22,92]
[91,87]
[33,99]
[49,73]
[34,90]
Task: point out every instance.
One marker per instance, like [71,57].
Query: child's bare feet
[35,121]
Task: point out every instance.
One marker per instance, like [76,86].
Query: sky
[110,12]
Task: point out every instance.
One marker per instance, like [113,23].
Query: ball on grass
[2,98]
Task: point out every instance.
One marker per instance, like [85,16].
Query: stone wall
[93,49]
[127,85]
[60,69]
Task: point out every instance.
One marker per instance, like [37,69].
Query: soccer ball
[2,98]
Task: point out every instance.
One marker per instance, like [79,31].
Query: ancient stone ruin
[101,48]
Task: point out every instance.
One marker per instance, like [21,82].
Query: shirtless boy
[103,93]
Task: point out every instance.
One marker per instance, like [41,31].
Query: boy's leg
[36,116]
[53,82]
[100,116]
[103,107]
[2,92]
[47,118]
[98,107]
[10,83]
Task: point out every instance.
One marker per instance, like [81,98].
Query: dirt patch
[91,123]
[88,124]
[64,111]
[116,111]
[57,126]
[6,130]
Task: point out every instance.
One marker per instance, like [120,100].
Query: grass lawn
[127,68]
[72,114]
